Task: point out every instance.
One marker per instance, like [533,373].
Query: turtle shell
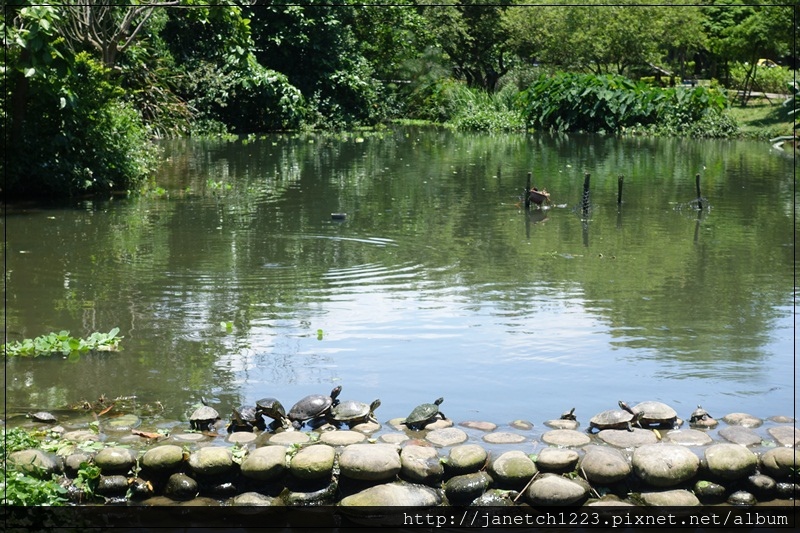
[656,413]
[313,405]
[44,416]
[353,411]
[611,419]
[271,407]
[423,413]
[699,414]
[203,416]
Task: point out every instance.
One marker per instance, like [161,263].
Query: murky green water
[435,284]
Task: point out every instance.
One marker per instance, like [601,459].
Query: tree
[470,32]
[105,27]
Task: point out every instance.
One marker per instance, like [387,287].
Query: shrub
[768,79]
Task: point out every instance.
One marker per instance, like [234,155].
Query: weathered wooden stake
[527,194]
[619,189]
[699,196]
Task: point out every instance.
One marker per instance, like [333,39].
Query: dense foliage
[88,83]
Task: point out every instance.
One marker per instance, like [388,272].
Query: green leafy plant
[19,489]
[63,343]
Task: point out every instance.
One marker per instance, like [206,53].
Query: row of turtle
[314,407]
[649,414]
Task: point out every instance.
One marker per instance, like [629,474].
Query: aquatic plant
[63,343]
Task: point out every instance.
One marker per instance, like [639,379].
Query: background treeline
[87,84]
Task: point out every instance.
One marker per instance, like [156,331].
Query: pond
[237,283]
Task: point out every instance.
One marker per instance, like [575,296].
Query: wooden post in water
[699,196]
[619,189]
[528,192]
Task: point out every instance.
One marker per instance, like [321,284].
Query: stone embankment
[746,461]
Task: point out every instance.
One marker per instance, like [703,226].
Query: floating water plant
[64,344]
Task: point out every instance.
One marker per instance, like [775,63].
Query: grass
[762,120]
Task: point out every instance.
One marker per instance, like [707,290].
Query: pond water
[436,283]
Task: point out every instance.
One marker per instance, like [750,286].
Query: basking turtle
[352,413]
[423,414]
[203,417]
[245,418]
[654,414]
[43,416]
[313,406]
[614,419]
[568,415]
[701,418]
[272,408]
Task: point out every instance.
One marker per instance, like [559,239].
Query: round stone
[479,425]
[462,490]
[342,438]
[743,498]
[566,437]
[552,489]
[780,463]
[785,435]
[742,419]
[708,491]
[762,486]
[523,425]
[370,462]
[557,460]
[671,498]
[211,461]
[189,437]
[113,485]
[74,461]
[466,459]
[512,469]
[437,424]
[730,461]
[787,490]
[446,437]
[740,435]
[689,437]
[313,462]
[181,487]
[254,499]
[782,419]
[393,438]
[124,422]
[241,437]
[115,460]
[163,458]
[664,465]
[80,435]
[265,463]
[627,439]
[421,464]
[604,465]
[34,463]
[560,423]
[326,495]
[390,495]
[502,437]
[368,428]
[287,438]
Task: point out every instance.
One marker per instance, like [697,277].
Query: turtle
[424,414]
[245,418]
[43,416]
[313,406]
[203,417]
[351,412]
[614,419]
[701,418]
[568,415]
[272,408]
[654,414]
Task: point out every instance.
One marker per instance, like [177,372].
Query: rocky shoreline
[745,461]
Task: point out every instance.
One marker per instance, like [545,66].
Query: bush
[78,137]
[768,79]
[611,103]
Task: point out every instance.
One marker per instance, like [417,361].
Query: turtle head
[374,405]
[626,407]
[439,401]
[335,392]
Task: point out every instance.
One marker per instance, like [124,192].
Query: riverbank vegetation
[87,85]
